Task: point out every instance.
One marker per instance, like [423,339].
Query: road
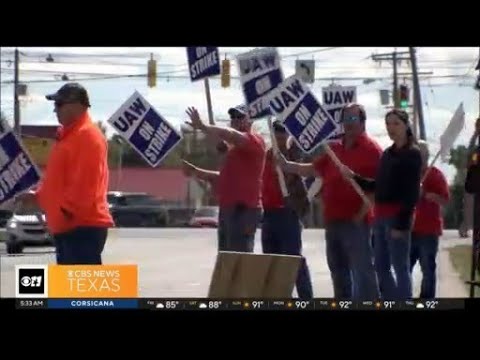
[179,262]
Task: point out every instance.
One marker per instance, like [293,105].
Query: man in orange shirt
[73,191]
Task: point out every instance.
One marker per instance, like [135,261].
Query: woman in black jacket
[397,190]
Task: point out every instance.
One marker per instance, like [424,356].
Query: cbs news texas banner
[79,286]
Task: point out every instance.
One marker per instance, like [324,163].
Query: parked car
[130,209]
[26,228]
[205,217]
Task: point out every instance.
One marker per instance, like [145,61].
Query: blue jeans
[424,249]
[392,252]
[80,246]
[349,257]
[281,234]
[236,228]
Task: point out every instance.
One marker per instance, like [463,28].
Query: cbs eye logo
[31,281]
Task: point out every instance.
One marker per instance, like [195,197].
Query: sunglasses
[59,104]
[351,118]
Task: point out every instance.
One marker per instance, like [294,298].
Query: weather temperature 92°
[345,304]
[431,304]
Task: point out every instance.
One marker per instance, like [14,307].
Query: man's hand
[358,218]
[188,168]
[68,215]
[26,199]
[279,159]
[346,172]
[397,234]
[196,122]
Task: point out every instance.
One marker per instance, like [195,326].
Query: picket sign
[281,177]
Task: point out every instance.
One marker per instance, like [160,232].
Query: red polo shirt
[428,214]
[272,197]
[340,201]
[241,173]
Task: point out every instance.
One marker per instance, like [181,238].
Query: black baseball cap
[70,93]
[239,110]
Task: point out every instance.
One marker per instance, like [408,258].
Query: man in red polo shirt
[238,183]
[281,227]
[347,218]
[428,225]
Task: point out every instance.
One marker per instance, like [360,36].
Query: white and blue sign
[203,62]
[145,129]
[334,99]
[306,120]
[260,73]
[18,173]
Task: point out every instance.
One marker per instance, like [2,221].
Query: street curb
[450,284]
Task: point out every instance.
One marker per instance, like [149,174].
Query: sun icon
[290,304]
[334,304]
[377,305]
[246,305]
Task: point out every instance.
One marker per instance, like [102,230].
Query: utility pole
[417,93]
[396,57]
[16,108]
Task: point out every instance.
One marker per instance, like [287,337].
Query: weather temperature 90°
[299,305]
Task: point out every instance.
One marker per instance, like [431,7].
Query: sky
[448,81]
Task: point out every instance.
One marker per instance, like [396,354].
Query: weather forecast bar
[162,304]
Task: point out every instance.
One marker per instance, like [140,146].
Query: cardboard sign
[242,275]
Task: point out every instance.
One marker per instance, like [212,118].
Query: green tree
[453,214]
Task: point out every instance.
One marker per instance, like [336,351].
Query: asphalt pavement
[178,262]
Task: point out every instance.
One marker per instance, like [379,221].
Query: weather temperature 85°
[171,304]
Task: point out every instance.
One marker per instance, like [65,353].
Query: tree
[453,214]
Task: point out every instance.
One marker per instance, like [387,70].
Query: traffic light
[225,73]
[152,72]
[404,96]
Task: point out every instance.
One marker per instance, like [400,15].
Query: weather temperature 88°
[214,304]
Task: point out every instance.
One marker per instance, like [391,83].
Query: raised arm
[203,174]
[229,135]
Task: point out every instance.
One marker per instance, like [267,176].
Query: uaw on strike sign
[306,120]
[335,97]
[260,72]
[145,129]
[17,172]
[203,62]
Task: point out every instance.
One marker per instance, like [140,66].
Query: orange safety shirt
[76,179]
